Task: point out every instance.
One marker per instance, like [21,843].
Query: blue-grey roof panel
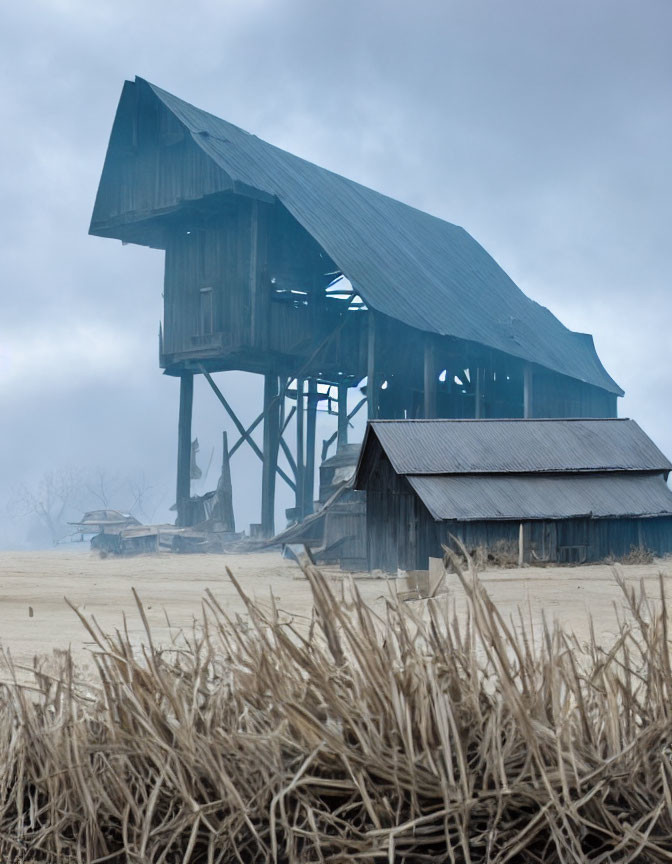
[516,446]
[473,498]
[405,263]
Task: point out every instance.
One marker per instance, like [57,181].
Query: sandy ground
[174,585]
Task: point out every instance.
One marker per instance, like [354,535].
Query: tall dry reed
[410,737]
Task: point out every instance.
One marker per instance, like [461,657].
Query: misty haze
[542,132]
[335,513]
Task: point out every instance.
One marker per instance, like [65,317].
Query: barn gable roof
[405,263]
[470,470]
[449,447]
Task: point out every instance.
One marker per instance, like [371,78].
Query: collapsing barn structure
[570,490]
[276,266]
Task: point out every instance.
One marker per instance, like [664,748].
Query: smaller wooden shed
[582,489]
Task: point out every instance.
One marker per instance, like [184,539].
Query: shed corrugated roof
[516,446]
[472,498]
[409,265]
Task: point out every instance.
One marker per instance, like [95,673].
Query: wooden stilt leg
[371,384]
[528,408]
[225,489]
[342,416]
[300,458]
[311,418]
[478,395]
[271,443]
[430,379]
[183,493]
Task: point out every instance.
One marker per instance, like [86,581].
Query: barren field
[172,587]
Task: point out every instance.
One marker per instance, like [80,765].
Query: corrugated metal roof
[409,265]
[542,497]
[516,446]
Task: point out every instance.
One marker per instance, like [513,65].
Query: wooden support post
[478,397]
[300,459]
[311,420]
[271,443]
[524,539]
[430,379]
[371,384]
[528,406]
[183,493]
[342,416]
[224,512]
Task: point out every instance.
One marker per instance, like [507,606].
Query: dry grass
[351,738]
[501,553]
[637,555]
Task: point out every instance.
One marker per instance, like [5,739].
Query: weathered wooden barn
[276,266]
[571,490]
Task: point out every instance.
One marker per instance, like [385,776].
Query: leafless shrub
[637,555]
[407,738]
[60,496]
[50,500]
[501,553]
[479,557]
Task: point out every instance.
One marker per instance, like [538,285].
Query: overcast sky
[543,128]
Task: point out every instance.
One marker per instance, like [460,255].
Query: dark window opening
[340,289]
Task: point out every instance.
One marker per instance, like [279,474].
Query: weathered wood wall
[265,278]
[166,168]
[402,534]
[474,381]
[399,528]
[555,395]
[569,540]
